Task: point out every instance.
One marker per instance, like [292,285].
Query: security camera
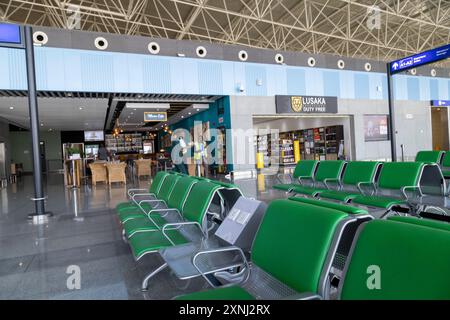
[241,88]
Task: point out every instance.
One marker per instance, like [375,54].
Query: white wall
[414,131]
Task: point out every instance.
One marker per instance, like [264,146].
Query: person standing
[103,153]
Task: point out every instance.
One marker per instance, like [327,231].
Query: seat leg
[144,286]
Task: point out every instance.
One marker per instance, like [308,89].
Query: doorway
[439,125]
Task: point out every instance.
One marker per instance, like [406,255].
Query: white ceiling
[57,113]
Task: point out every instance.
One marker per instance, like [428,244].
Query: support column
[34,128]
[393,132]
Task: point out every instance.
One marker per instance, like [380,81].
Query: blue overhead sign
[440,103]
[10,34]
[420,59]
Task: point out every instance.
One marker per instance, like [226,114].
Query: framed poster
[376,128]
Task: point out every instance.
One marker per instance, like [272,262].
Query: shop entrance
[301,137]
[439,125]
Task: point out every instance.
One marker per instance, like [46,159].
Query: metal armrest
[179,225]
[305,178]
[304,296]
[284,174]
[167,210]
[225,249]
[325,182]
[129,191]
[150,201]
[411,188]
[142,194]
[371,183]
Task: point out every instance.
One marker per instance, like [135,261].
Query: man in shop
[180,166]
[103,153]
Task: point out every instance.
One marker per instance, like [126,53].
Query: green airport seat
[162,198]
[393,260]
[395,180]
[194,211]
[329,171]
[304,170]
[356,174]
[430,156]
[446,165]
[422,222]
[152,192]
[291,248]
[332,205]
[155,219]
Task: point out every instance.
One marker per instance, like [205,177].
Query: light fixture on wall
[40,38]
[243,55]
[413,71]
[368,67]
[201,51]
[279,58]
[341,64]
[153,47]
[311,62]
[101,43]
[433,72]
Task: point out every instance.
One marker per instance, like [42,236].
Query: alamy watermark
[374,18]
[374,280]
[73,281]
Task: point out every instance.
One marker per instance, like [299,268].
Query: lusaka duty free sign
[306,104]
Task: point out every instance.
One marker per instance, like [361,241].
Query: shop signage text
[306,104]
[155,116]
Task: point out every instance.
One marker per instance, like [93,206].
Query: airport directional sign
[420,59]
[440,103]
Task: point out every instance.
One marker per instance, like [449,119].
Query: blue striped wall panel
[82,70]
[296,81]
[97,72]
[434,89]
[332,85]
[444,94]
[413,88]
[400,88]
[376,85]
[17,69]
[4,69]
[276,80]
[72,71]
[40,59]
[210,77]
[424,85]
[362,86]
[190,79]
[254,73]
[347,79]
[156,76]
[121,74]
[314,82]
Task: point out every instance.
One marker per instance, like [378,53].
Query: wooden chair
[143,167]
[99,173]
[116,172]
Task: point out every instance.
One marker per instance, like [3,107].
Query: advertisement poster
[376,128]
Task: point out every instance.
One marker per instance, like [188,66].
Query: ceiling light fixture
[147,105]
[11,108]
[81,108]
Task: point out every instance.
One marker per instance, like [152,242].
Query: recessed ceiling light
[81,108]
[198,109]
[42,124]
[131,113]
[134,109]
[182,117]
[190,113]
[11,108]
[69,94]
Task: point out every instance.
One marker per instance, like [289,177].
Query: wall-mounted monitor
[94,136]
[376,128]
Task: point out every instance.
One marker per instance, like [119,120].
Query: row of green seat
[397,258]
[351,181]
[174,202]
[441,158]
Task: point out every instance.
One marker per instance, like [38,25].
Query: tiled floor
[84,232]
